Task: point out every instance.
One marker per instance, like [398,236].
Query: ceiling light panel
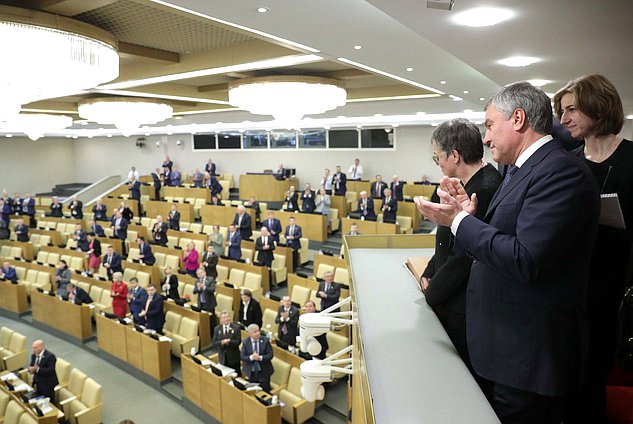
[482,16]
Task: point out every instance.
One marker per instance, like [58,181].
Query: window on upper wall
[204,141]
[283,139]
[377,138]
[343,139]
[312,139]
[229,140]
[255,140]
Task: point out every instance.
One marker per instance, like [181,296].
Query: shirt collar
[523,157]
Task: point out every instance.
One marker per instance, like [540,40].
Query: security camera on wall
[140,142]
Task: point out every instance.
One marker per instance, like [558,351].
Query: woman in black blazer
[170,284]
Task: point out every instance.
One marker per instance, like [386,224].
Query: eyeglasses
[436,158]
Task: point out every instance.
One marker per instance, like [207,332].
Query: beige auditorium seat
[160,259]
[188,292]
[247,255]
[405,223]
[20,272]
[29,279]
[195,228]
[73,388]
[335,222]
[300,295]
[14,356]
[86,408]
[41,257]
[95,293]
[62,369]
[172,323]
[172,261]
[76,264]
[104,303]
[185,338]
[43,281]
[279,270]
[16,252]
[322,269]
[341,275]
[279,379]
[53,258]
[4,401]
[304,252]
[5,252]
[27,419]
[128,274]
[143,278]
[133,253]
[236,277]
[5,337]
[223,274]
[85,286]
[268,322]
[224,303]
[296,409]
[253,282]
[316,299]
[13,413]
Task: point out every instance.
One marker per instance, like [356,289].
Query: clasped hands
[453,200]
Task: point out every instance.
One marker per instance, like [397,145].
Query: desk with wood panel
[56,237]
[259,270]
[340,203]
[115,203]
[358,186]
[155,207]
[222,215]
[414,190]
[74,320]
[141,351]
[279,250]
[313,226]
[203,318]
[187,192]
[13,297]
[369,227]
[27,247]
[265,187]
[50,417]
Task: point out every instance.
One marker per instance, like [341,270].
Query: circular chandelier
[287,98]
[46,56]
[35,125]
[125,113]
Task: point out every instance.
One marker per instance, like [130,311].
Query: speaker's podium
[208,389]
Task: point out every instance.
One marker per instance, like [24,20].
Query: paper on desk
[164,339]
[9,376]
[22,388]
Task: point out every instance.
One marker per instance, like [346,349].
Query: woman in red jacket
[118,291]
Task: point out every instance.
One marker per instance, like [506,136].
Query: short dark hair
[597,98]
[462,135]
[247,292]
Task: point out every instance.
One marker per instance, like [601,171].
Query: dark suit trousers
[514,406]
[261,379]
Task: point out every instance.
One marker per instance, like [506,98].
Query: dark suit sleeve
[267,355]
[47,366]
[246,351]
[257,313]
[293,320]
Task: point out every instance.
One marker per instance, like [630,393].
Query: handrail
[97,189]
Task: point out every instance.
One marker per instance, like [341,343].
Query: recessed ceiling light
[148,134]
[378,115]
[75,137]
[262,9]
[629,116]
[84,123]
[434,124]
[481,99]
[341,117]
[178,117]
[465,91]
[442,82]
[482,17]
[518,61]
[539,82]
[395,125]
[456,98]
[68,136]
[359,126]
[109,135]
[357,47]
[468,111]
[8,135]
[420,113]
[409,69]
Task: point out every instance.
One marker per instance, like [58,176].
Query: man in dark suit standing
[153,311]
[307,199]
[135,189]
[145,252]
[273,225]
[157,183]
[174,218]
[280,173]
[22,231]
[176,177]
[377,188]
[525,310]
[76,208]
[112,262]
[243,222]
[293,236]
[257,355]
[339,182]
[250,311]
[397,188]
[210,262]
[329,291]
[42,367]
[210,167]
[288,320]
[160,231]
[119,229]
[214,185]
[28,208]
[136,299]
[366,207]
[226,340]
[234,243]
[389,208]
[205,289]
[264,246]
[459,151]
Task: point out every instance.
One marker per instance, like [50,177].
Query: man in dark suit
[174,218]
[176,177]
[397,188]
[234,243]
[210,262]
[153,311]
[293,236]
[81,237]
[377,188]
[389,208]
[280,173]
[366,206]
[273,225]
[119,226]
[28,208]
[250,311]
[76,208]
[214,185]
[329,292]
[100,211]
[8,272]
[135,189]
[136,299]
[56,208]
[459,151]
[22,231]
[42,367]
[198,178]
[288,320]
[292,199]
[96,228]
[257,355]
[157,183]
[243,222]
[76,295]
[210,167]
[264,246]
[307,199]
[112,262]
[253,204]
[339,182]
[525,311]
[168,163]
[205,289]
[145,252]
[226,340]
[160,231]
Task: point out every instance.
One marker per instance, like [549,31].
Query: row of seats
[300,295]
[78,395]
[10,252]
[75,263]
[13,349]
[341,275]
[11,412]
[183,333]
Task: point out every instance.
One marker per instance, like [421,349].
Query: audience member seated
[292,199]
[97,229]
[293,236]
[118,292]
[153,310]
[355,171]
[257,355]
[62,278]
[234,243]
[159,230]
[215,201]
[226,340]
[190,259]
[174,218]
[77,295]
[366,207]
[137,300]
[8,272]
[310,308]
[170,284]
[99,211]
[396,188]
[250,311]
[243,222]
[112,262]
[253,204]
[56,208]
[288,320]
[145,252]
[389,208]
[76,208]
[377,188]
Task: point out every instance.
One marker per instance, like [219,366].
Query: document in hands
[416,266]
[611,212]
